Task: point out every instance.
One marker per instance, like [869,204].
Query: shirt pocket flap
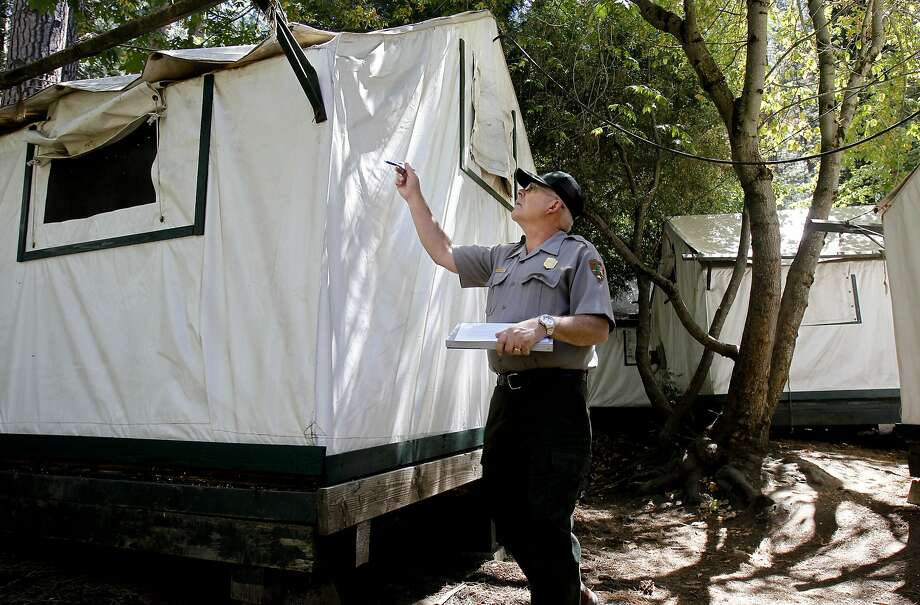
[549,278]
[496,278]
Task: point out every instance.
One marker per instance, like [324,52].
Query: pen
[399,166]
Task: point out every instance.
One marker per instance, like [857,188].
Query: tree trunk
[4,22]
[71,70]
[743,427]
[32,36]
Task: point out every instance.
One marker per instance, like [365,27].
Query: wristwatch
[549,324]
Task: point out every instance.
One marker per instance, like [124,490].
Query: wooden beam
[95,45]
[347,504]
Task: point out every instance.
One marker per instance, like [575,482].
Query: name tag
[499,269]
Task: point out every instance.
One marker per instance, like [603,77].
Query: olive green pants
[535,460]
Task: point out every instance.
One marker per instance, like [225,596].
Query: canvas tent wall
[843,370]
[900,212]
[264,286]
[900,215]
[615,382]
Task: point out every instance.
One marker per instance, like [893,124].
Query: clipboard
[482,336]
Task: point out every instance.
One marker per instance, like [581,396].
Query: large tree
[35,32]
[845,40]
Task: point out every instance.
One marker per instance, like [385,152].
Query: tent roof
[715,236]
[181,64]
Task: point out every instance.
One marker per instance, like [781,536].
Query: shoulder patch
[597,268]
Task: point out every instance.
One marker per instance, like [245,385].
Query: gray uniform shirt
[564,276]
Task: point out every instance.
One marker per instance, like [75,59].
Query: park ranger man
[537,446]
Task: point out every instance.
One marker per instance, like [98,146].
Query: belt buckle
[510,383]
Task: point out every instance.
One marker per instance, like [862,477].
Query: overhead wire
[692,156]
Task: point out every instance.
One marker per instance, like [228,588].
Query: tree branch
[711,77]
[97,44]
[800,277]
[755,69]
[656,396]
[827,72]
[873,32]
[667,286]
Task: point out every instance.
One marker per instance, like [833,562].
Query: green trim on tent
[373,460]
[24,213]
[833,408]
[307,461]
[204,153]
[204,147]
[300,460]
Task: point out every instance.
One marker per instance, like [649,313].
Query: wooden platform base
[348,504]
[180,520]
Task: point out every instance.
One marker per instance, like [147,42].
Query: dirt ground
[841,532]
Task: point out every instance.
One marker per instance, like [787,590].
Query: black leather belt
[515,381]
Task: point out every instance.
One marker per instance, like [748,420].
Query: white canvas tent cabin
[843,370]
[211,284]
[900,212]
[615,382]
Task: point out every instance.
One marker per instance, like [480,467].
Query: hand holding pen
[407,183]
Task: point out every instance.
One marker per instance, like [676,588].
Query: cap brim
[524,178]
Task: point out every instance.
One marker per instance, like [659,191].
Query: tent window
[110,178]
[834,300]
[504,197]
[110,182]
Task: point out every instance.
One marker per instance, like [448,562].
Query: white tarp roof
[161,65]
[715,236]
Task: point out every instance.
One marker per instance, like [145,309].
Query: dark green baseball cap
[562,183]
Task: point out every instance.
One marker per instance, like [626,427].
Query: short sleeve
[474,265]
[589,293]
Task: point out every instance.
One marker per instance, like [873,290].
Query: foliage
[615,71]
[791,113]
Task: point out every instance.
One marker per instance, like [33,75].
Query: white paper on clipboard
[482,336]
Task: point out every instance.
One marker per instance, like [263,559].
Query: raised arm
[433,239]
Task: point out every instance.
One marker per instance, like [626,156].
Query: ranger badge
[597,268]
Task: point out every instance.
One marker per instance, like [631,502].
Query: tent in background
[844,369]
[615,382]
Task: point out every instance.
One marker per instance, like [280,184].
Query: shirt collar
[551,246]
